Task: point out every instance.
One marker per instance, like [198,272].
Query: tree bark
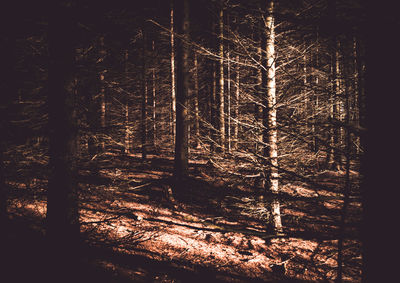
[333,157]
[270,133]
[154,124]
[237,103]
[127,128]
[196,102]
[315,102]
[143,125]
[347,184]
[62,218]
[221,98]
[182,88]
[173,87]
[102,93]
[213,107]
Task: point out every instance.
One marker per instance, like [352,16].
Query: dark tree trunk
[213,106]
[62,201]
[196,102]
[144,99]
[182,87]
[8,92]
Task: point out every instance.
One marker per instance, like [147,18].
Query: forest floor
[213,230]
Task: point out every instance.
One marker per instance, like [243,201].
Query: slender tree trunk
[259,112]
[173,87]
[93,117]
[196,101]
[337,133]
[365,94]
[358,90]
[143,125]
[333,157]
[213,108]
[237,103]
[154,101]
[229,101]
[270,134]
[315,102]
[102,93]
[221,111]
[228,90]
[127,128]
[347,185]
[182,88]
[258,116]
[305,88]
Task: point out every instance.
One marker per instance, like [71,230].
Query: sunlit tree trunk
[127,128]
[173,87]
[270,133]
[182,88]
[229,103]
[228,88]
[221,98]
[358,90]
[237,103]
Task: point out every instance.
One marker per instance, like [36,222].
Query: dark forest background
[257,118]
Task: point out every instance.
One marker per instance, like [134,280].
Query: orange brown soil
[214,230]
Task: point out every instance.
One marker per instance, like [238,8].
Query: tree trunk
[221,101]
[8,89]
[347,184]
[305,90]
[315,103]
[182,88]
[258,116]
[237,103]
[270,133]
[229,102]
[127,128]
[173,87]
[196,102]
[102,93]
[358,90]
[154,101]
[213,108]
[333,157]
[143,125]
[62,200]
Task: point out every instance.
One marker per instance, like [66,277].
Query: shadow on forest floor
[25,260]
[212,231]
